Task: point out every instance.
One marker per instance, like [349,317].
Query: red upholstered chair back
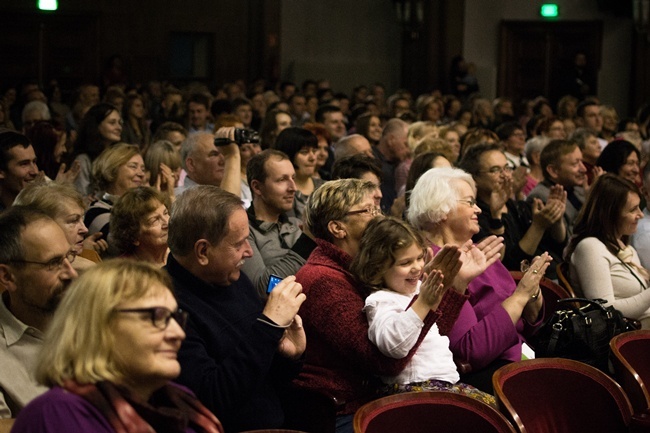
[631,360]
[425,412]
[560,396]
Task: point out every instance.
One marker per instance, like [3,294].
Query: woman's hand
[294,341]
[527,298]
[69,176]
[165,181]
[477,258]
[96,243]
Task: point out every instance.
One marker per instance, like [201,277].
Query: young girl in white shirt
[390,263]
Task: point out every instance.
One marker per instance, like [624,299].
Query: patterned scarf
[170,409]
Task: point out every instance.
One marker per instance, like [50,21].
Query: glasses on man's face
[372,211]
[471,202]
[54,264]
[498,170]
[160,316]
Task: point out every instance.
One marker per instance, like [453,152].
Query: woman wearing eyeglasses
[495,313]
[110,355]
[528,229]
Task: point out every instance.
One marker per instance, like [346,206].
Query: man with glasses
[35,271]
[279,245]
[528,229]
[237,349]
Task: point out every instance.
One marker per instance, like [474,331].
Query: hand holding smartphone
[273,281]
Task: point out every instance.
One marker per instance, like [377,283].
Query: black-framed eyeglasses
[471,202]
[160,316]
[54,264]
[498,170]
[372,211]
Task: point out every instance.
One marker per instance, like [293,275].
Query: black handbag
[580,333]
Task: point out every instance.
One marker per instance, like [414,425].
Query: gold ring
[535,271]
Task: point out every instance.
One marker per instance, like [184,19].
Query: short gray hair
[189,145]
[37,107]
[201,212]
[435,195]
[535,145]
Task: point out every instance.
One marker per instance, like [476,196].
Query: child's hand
[432,289]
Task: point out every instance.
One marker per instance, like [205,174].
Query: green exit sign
[48,5]
[549,10]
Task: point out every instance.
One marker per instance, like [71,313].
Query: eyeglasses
[372,211]
[471,202]
[54,264]
[160,316]
[498,170]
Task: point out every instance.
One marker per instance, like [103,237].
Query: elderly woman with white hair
[488,332]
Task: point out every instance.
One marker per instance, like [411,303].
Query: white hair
[435,194]
[37,107]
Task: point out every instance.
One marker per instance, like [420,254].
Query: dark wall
[87,33]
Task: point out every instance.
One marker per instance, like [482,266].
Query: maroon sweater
[339,357]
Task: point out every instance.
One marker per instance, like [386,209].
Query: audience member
[353,144]
[100,128]
[528,228]
[117,170]
[391,263]
[35,271]
[237,350]
[332,117]
[588,116]
[587,141]
[17,166]
[121,381]
[622,158]
[279,245]
[139,225]
[561,162]
[275,122]
[172,132]
[324,154]
[497,312]
[300,146]
[135,129]
[370,127]
[391,150]
[65,206]
[641,239]
[602,263]
[198,112]
[208,164]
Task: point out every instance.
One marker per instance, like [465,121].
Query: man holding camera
[279,245]
[208,164]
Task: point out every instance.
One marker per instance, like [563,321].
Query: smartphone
[273,281]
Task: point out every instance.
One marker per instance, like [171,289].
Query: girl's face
[405,273]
